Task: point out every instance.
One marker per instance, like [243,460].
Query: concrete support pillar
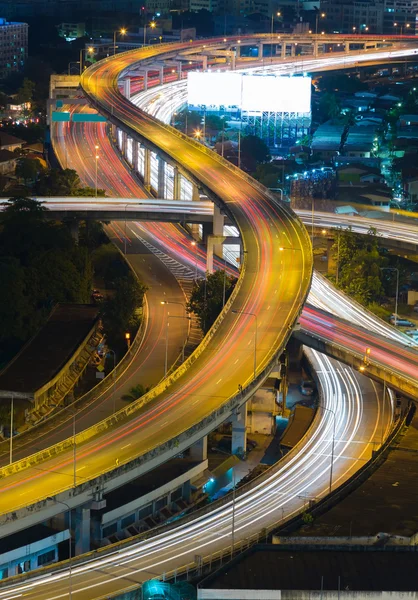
[145,80]
[239,431]
[127,87]
[161,178]
[213,241]
[316,48]
[346,47]
[81,519]
[147,167]
[135,155]
[294,353]
[205,62]
[233,62]
[161,75]
[176,186]
[194,230]
[218,228]
[180,72]
[187,491]
[199,450]
[283,51]
[113,131]
[260,51]
[196,194]
[292,50]
[124,142]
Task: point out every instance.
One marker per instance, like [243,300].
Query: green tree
[119,311]
[253,150]
[135,392]
[28,169]
[215,123]
[329,107]
[57,182]
[207,297]
[25,92]
[360,262]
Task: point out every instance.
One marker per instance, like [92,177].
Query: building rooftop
[50,349]
[268,567]
[9,140]
[327,137]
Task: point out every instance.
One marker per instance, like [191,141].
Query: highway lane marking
[219,381]
[81,468]
[127,446]
[236,361]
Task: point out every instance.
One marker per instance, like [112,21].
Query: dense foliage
[40,265]
[207,297]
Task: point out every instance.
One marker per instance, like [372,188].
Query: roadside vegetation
[207,297]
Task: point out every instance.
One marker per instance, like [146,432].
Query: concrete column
[294,352]
[205,62]
[176,187]
[187,491]
[135,155]
[260,51]
[147,167]
[199,450]
[81,519]
[239,431]
[161,75]
[180,73]
[218,228]
[233,62]
[145,78]
[212,242]
[124,142]
[283,50]
[292,50]
[127,87]
[114,130]
[196,194]
[346,47]
[161,178]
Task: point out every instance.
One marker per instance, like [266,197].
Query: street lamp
[166,340]
[97,162]
[318,14]
[11,429]
[198,134]
[89,50]
[278,14]
[333,442]
[397,289]
[242,312]
[70,590]
[185,317]
[112,352]
[153,25]
[194,244]
[122,32]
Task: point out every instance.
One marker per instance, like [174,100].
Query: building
[304,572]
[359,16]
[13,47]
[71,31]
[10,142]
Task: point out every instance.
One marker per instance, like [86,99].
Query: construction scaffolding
[277,129]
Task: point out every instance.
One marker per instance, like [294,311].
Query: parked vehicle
[400,322]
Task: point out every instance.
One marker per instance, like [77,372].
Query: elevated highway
[126,571]
[206,390]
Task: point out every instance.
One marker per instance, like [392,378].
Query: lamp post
[70,590]
[113,353]
[397,289]
[166,339]
[184,317]
[242,312]
[89,50]
[97,160]
[11,429]
[153,25]
[122,32]
[318,14]
[194,244]
[333,443]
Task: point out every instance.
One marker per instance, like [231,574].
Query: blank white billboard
[253,93]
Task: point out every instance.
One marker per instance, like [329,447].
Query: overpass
[299,297]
